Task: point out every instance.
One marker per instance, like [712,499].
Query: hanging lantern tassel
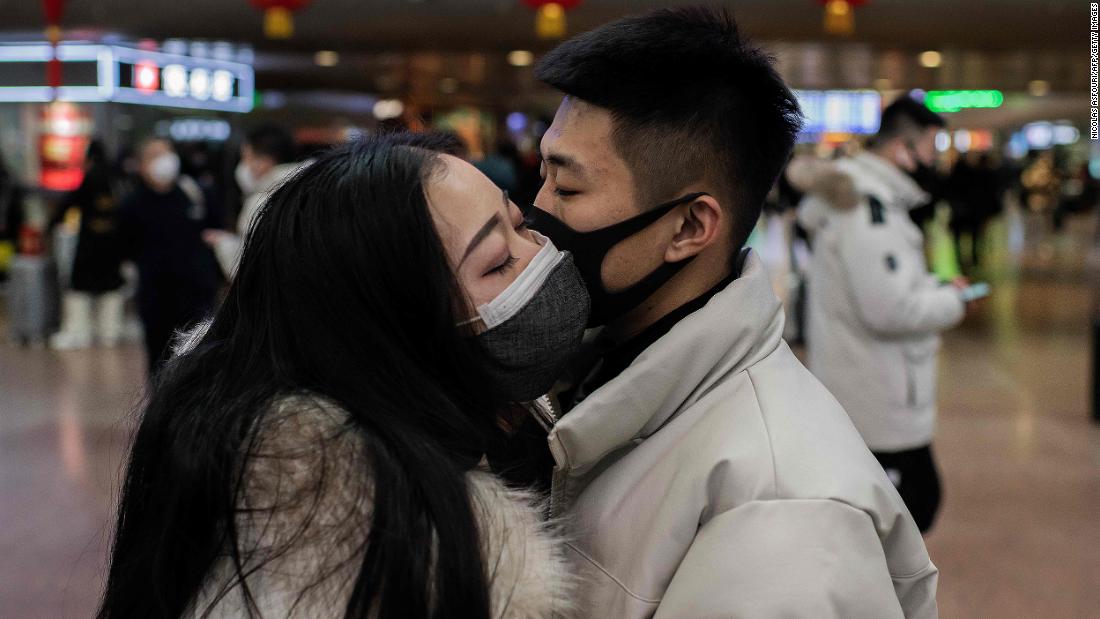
[279,16]
[53,10]
[53,66]
[550,16]
[840,17]
[278,23]
[550,21]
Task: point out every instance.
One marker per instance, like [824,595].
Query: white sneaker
[69,341]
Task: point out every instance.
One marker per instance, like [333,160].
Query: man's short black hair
[274,141]
[906,117]
[690,100]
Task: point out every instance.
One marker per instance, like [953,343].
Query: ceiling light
[930,59]
[1038,88]
[520,58]
[326,58]
[386,109]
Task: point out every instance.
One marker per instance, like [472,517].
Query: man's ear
[698,228]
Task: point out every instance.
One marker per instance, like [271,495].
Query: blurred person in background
[1041,181]
[974,192]
[92,307]
[875,311]
[389,307]
[706,472]
[268,158]
[528,180]
[500,165]
[11,216]
[161,223]
[1079,195]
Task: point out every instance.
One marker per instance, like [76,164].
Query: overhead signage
[102,73]
[956,100]
[839,111]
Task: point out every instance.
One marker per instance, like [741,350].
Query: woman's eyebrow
[485,231]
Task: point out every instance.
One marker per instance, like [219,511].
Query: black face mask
[924,175]
[589,250]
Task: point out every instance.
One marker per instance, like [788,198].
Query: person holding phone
[875,312]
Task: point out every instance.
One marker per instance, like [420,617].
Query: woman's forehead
[461,200]
[461,194]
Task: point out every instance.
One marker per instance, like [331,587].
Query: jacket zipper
[546,414]
[910,384]
[543,410]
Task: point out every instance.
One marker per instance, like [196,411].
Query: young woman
[317,450]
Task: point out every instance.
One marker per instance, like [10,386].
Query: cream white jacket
[716,477]
[874,310]
[309,487]
[228,249]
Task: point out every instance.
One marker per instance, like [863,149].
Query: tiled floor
[1019,535]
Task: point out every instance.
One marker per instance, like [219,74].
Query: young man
[706,473]
[874,309]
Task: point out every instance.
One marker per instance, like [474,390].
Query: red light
[146,76]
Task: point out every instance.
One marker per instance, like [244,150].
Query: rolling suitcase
[32,298]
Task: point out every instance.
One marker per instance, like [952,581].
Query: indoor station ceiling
[373,25]
[433,52]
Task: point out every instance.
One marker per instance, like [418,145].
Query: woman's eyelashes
[503,267]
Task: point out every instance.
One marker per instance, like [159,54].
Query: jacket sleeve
[228,252]
[881,288]
[129,229]
[793,558]
[812,213]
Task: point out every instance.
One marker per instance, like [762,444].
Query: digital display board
[839,111]
[103,73]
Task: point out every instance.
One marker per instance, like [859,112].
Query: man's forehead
[580,135]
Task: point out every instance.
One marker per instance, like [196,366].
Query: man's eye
[565,193]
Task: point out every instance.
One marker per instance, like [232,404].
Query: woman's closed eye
[503,267]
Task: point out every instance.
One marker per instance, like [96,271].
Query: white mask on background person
[245,179]
[165,169]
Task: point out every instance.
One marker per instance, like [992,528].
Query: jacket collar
[875,175]
[738,327]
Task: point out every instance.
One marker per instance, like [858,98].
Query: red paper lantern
[840,15]
[550,16]
[279,16]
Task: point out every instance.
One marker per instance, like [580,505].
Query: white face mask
[245,180]
[535,326]
[520,292]
[164,169]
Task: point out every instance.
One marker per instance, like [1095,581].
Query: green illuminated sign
[955,100]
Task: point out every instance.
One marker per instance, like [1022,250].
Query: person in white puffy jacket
[268,159]
[875,311]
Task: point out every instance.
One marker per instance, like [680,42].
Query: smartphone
[974,292]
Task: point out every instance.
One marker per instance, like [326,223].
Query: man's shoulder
[816,452]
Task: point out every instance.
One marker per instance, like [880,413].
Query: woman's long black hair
[344,291]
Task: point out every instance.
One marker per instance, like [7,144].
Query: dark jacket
[99,251]
[162,234]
